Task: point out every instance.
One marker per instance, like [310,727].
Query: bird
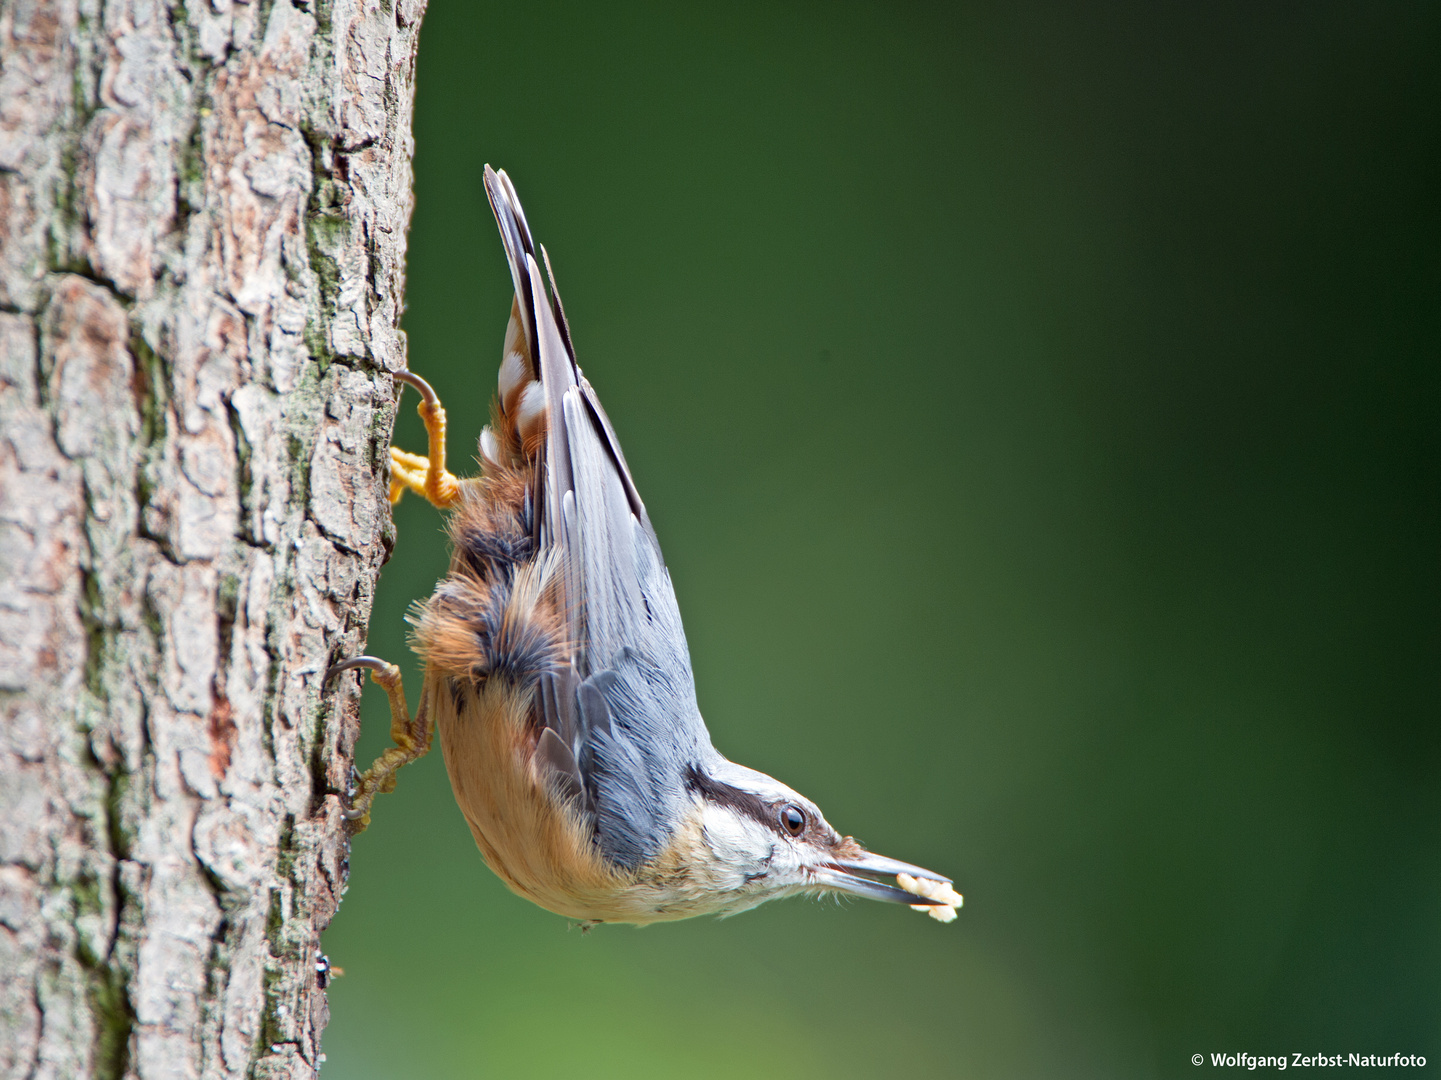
[557,671]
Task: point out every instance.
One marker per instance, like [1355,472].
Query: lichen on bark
[202,235]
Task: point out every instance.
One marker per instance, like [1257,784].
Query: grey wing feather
[626,706]
[559,762]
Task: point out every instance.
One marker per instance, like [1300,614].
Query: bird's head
[763,840]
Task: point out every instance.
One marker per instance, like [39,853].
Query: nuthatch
[557,670]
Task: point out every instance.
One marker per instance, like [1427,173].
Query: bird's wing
[625,707]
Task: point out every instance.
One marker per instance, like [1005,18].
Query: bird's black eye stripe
[787,819]
[743,802]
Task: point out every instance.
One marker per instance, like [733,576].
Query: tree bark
[203,210]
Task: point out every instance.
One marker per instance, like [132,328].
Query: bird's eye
[793,819]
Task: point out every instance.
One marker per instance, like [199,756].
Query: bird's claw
[412,738]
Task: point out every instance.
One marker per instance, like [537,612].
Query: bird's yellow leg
[412,738]
[427,475]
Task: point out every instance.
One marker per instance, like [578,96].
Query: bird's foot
[425,475]
[412,738]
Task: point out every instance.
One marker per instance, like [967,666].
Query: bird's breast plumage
[535,834]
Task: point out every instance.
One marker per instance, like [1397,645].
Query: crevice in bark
[80,266]
[287,937]
[320,786]
[326,229]
[115,1023]
[151,378]
[245,480]
[100,904]
[263,9]
[69,222]
[112,996]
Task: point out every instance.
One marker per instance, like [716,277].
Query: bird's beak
[857,875]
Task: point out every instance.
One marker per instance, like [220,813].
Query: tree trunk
[203,210]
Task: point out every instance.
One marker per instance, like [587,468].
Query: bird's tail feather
[537,362]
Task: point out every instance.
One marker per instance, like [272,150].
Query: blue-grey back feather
[626,707]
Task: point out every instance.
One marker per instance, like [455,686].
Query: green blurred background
[1038,409]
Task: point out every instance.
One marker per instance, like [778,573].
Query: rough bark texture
[203,208]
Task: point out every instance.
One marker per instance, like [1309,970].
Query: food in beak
[944,899]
